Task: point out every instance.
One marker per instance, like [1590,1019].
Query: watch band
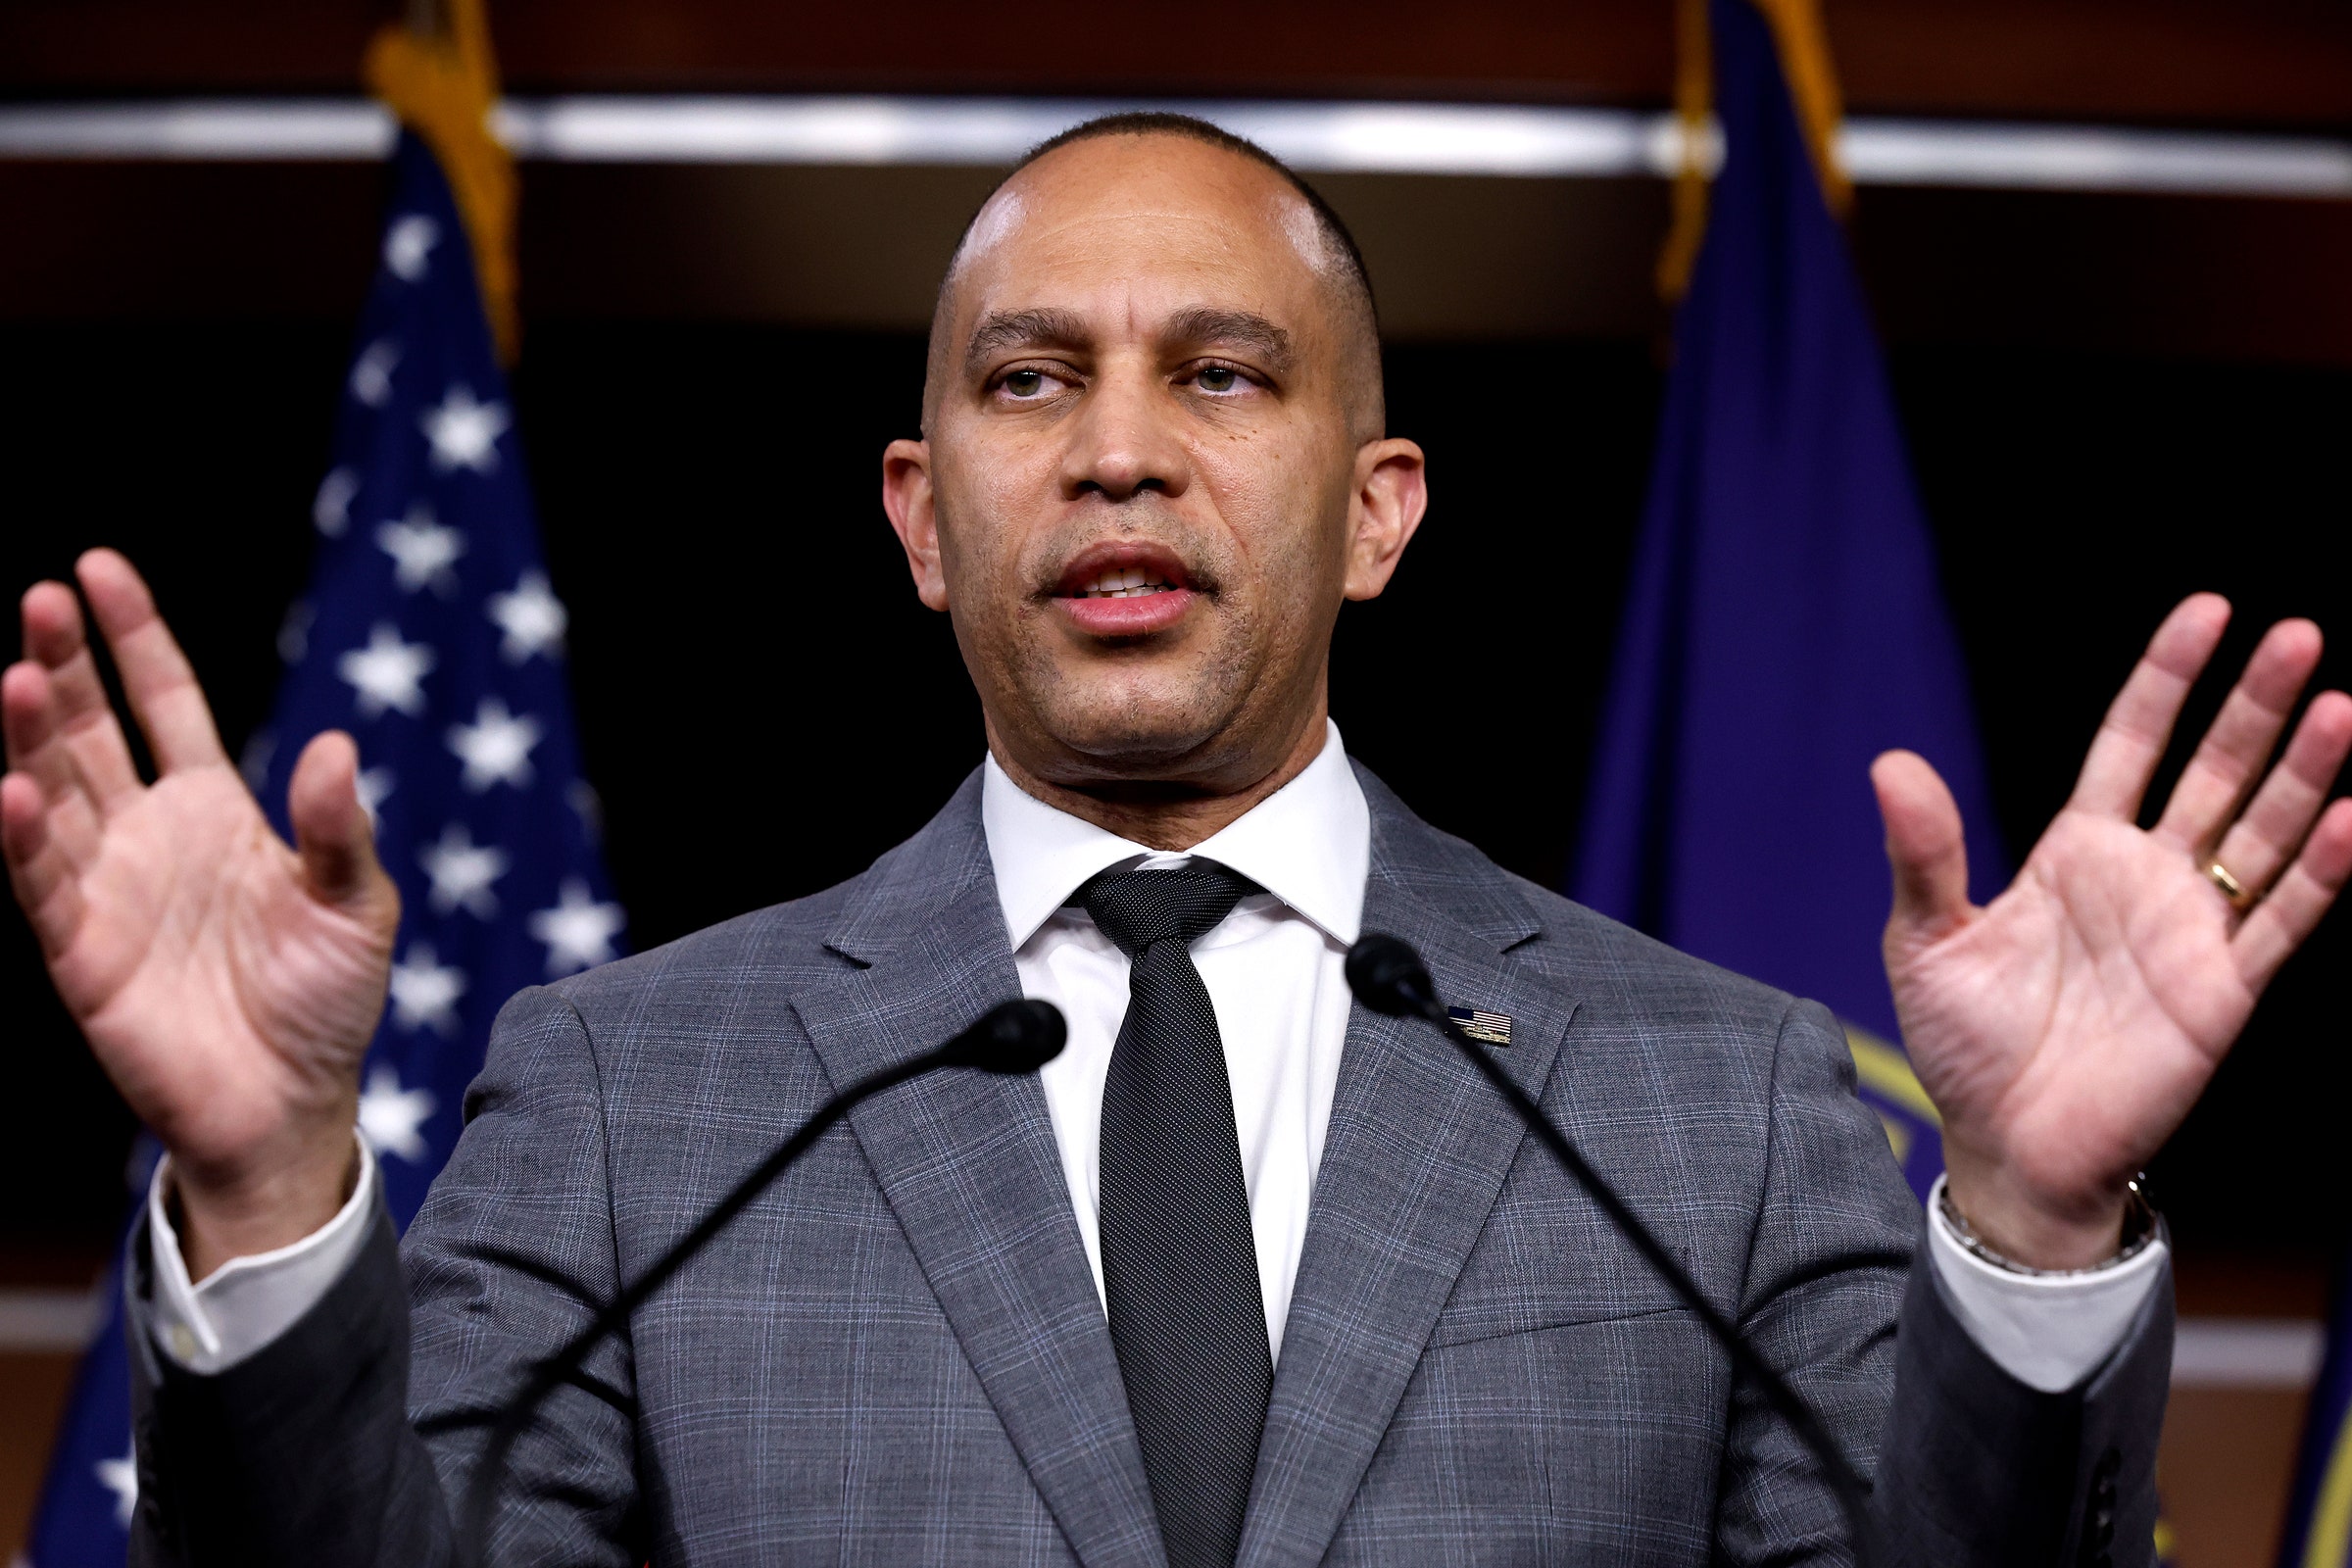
[2140,1233]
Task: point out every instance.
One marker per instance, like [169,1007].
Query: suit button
[2098,1515]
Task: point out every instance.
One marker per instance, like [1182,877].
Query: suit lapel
[1417,1151]
[968,1164]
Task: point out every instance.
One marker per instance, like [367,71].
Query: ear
[906,495]
[1392,491]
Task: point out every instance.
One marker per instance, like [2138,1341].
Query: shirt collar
[1310,843]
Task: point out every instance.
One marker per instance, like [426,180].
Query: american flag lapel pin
[1494,1028]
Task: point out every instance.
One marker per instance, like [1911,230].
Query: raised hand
[228,983]
[2065,1029]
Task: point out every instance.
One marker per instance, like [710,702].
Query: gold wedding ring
[2232,889]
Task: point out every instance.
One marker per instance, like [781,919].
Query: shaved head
[1315,229]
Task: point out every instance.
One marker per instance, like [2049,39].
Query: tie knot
[1135,909]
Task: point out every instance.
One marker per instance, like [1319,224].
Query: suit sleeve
[1969,1465]
[350,1438]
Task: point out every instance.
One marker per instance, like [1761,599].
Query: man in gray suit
[1247,1275]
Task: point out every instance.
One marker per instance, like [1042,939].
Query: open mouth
[1124,589]
[1126,583]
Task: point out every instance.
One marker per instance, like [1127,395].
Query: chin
[1131,733]
[1089,717]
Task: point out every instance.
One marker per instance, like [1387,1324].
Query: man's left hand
[2065,1029]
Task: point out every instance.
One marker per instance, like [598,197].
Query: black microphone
[1388,976]
[1011,1038]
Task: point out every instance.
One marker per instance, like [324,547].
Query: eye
[1218,378]
[1025,383]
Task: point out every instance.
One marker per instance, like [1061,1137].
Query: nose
[1123,441]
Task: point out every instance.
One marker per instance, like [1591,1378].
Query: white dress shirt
[1274,971]
[248,1302]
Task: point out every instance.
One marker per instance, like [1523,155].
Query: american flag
[1494,1028]
[431,634]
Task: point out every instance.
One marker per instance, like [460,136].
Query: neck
[1164,813]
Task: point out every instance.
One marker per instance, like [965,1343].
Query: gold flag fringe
[442,84]
[1804,50]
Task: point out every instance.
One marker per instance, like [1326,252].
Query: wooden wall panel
[2210,277]
[2275,63]
[2278,63]
[1453,259]
[135,240]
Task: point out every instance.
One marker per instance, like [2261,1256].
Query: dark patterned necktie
[1179,1264]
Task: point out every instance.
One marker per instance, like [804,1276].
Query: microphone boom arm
[1393,980]
[1011,1038]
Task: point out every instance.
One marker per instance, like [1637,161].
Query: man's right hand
[228,984]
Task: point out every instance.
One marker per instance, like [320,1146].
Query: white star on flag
[464,432]
[372,785]
[407,246]
[371,372]
[387,673]
[122,1478]
[422,550]
[496,748]
[330,509]
[578,931]
[425,990]
[392,1118]
[462,873]
[533,618]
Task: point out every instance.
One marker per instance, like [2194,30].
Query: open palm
[227,982]
[2065,1029]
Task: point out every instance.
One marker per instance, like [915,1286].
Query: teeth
[1125,582]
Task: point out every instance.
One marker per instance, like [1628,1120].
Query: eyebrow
[1201,326]
[1041,329]
[1244,330]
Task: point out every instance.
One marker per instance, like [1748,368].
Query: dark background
[765,706]
[2113,396]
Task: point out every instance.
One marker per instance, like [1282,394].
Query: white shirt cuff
[2048,1331]
[248,1302]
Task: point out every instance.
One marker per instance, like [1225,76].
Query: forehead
[1140,225]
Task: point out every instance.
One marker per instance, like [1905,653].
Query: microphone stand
[1012,1038]
[1388,976]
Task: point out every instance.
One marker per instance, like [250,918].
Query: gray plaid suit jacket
[897,1355]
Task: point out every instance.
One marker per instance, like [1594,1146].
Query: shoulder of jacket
[1594,961]
[780,940]
[1641,979]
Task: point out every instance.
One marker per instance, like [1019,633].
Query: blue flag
[431,633]
[1784,623]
